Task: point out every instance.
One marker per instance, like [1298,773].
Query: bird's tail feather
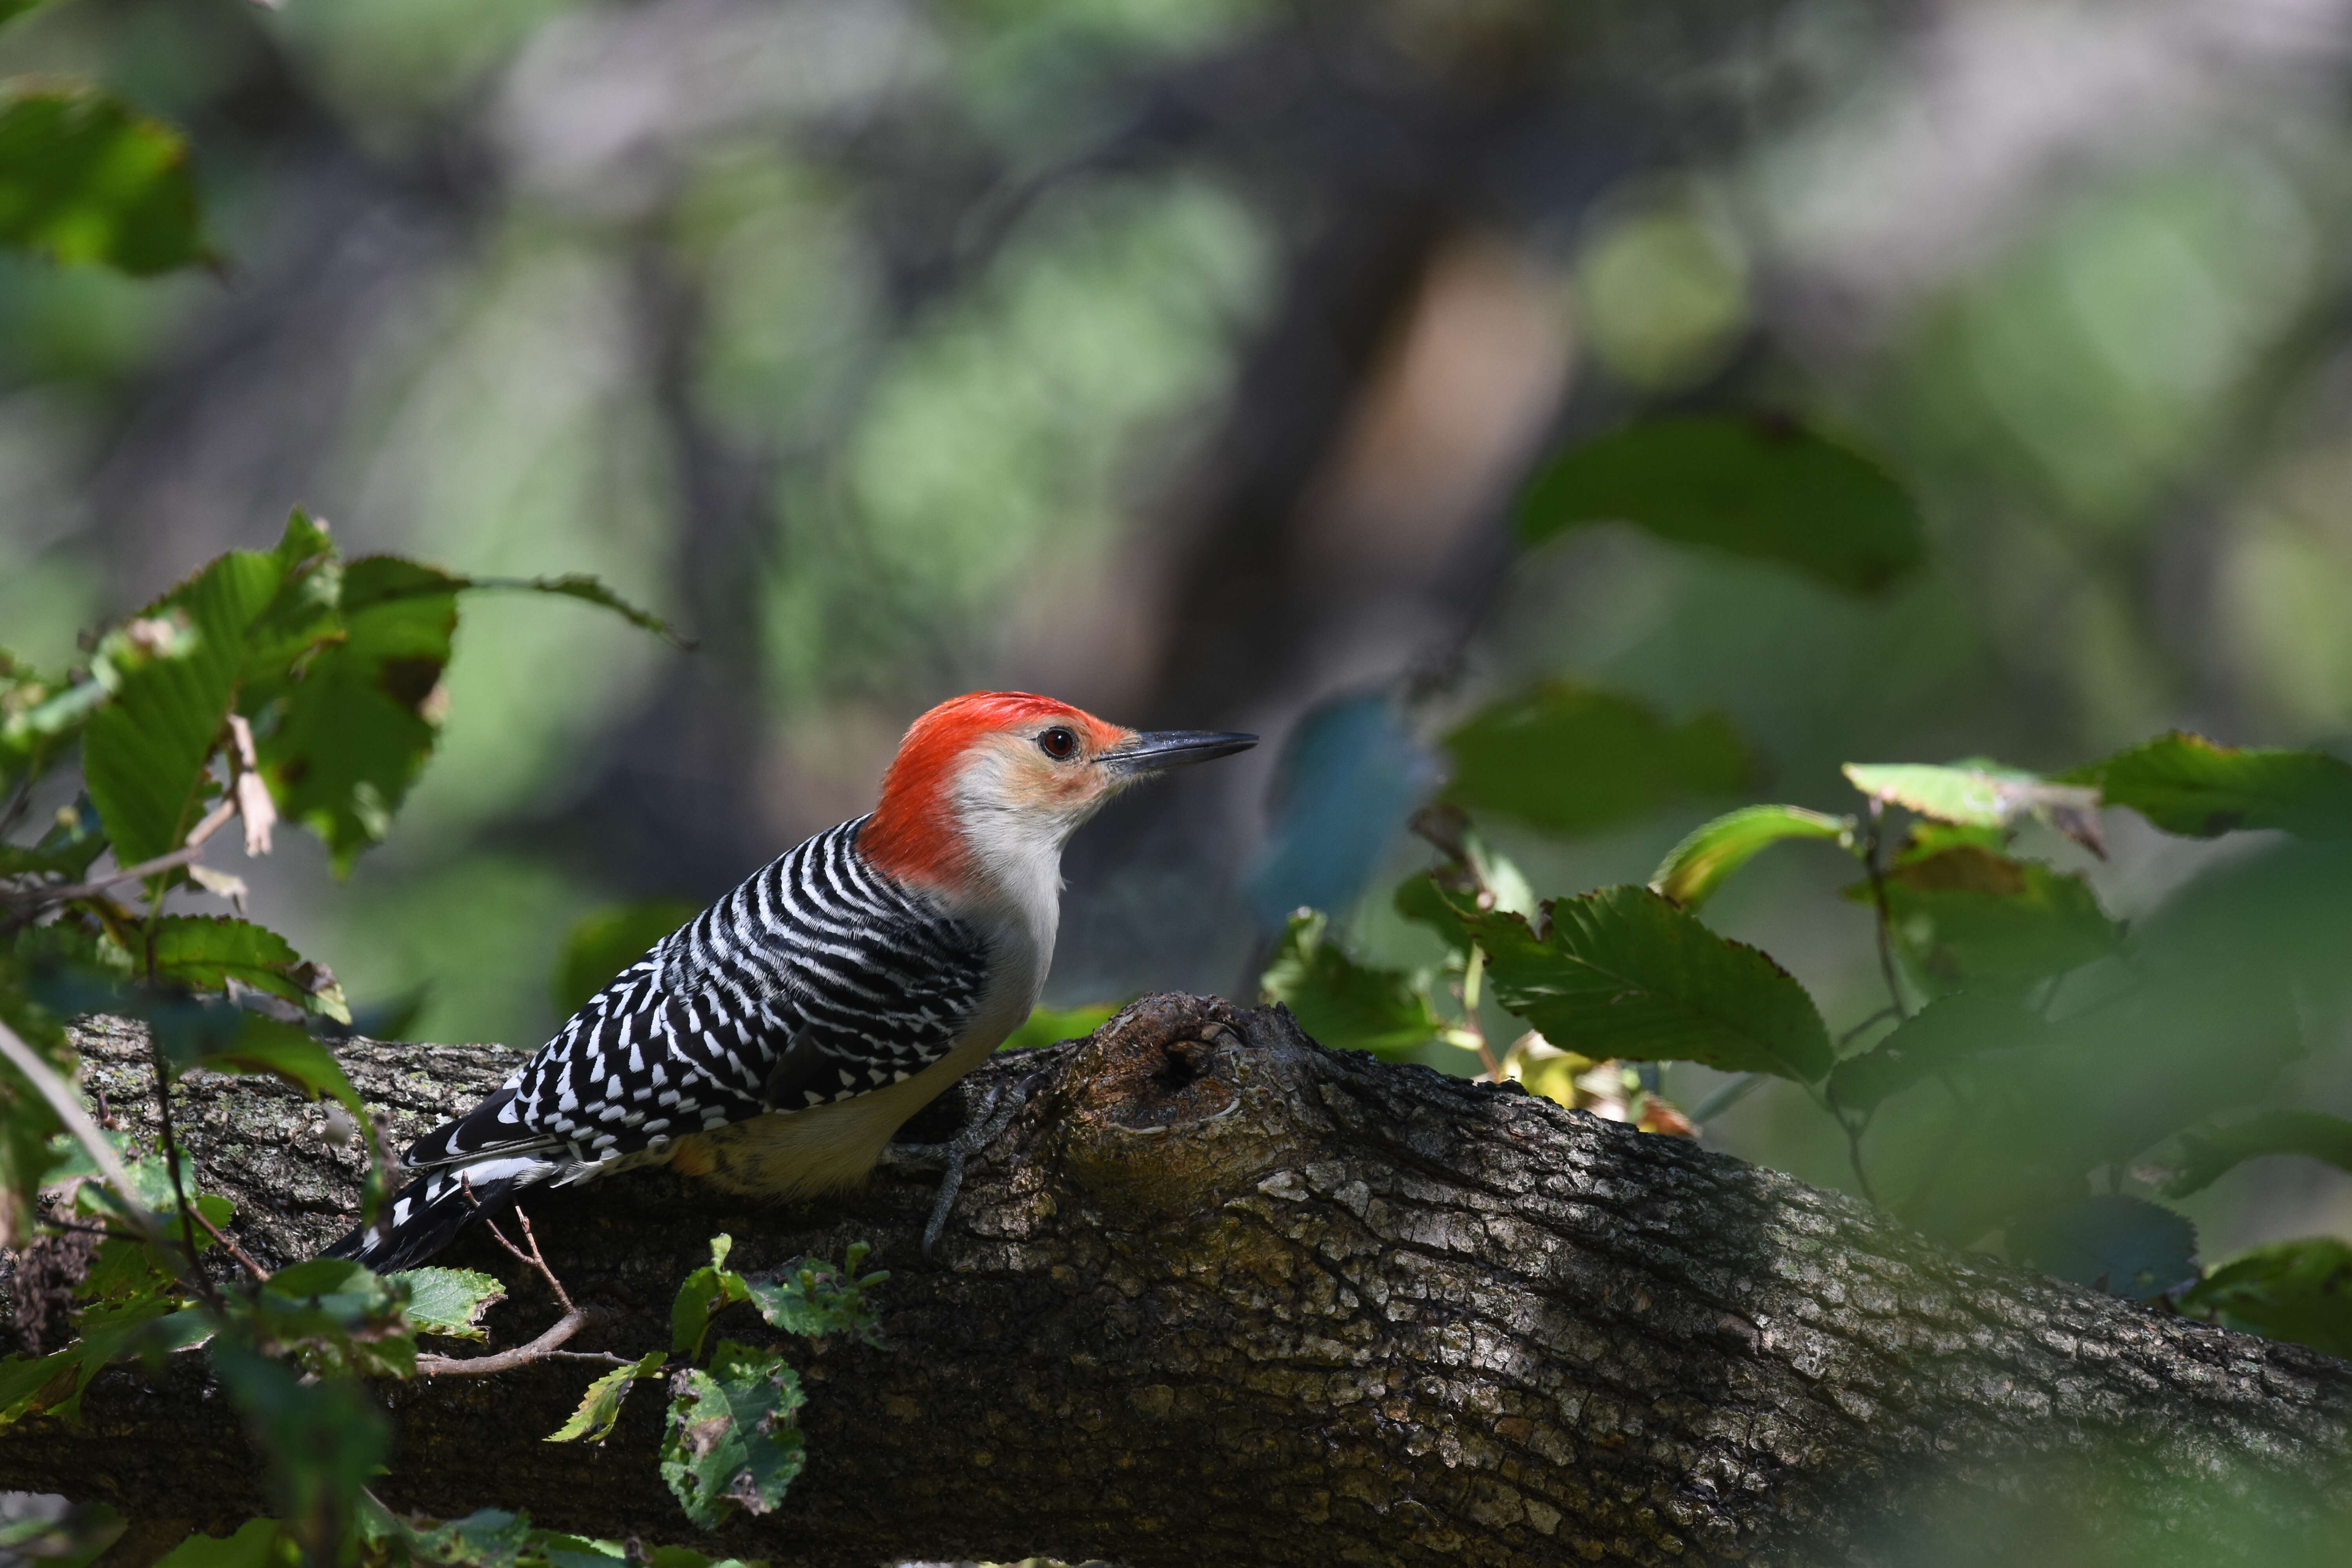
[427,1214]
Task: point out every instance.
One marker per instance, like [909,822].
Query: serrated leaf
[1706,859]
[1762,488]
[1969,915]
[592,591]
[144,752]
[324,1439]
[1423,900]
[487,1538]
[204,953]
[1342,1003]
[1622,973]
[1569,759]
[2124,1245]
[2299,1290]
[604,941]
[353,732]
[1978,793]
[448,1301]
[731,1441]
[2211,1152]
[1948,1033]
[600,1407]
[815,1301]
[2187,784]
[84,178]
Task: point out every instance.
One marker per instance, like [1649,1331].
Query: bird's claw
[997,1113]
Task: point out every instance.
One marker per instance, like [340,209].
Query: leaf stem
[59,893]
[1885,918]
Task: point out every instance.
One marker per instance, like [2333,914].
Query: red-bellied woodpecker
[775,1042]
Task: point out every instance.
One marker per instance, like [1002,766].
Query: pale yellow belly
[799,1154]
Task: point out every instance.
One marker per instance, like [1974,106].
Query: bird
[773,1044]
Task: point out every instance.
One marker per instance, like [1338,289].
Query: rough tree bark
[1222,1296]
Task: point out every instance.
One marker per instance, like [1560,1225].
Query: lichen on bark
[1220,1295]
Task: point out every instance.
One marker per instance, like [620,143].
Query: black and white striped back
[817,979]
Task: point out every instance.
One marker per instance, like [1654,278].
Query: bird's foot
[995,1114]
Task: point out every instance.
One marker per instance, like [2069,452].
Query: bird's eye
[1059,743]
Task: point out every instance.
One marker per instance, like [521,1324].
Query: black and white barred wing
[814,981]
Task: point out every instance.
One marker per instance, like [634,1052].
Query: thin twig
[540,1348]
[533,1259]
[1885,915]
[21,797]
[196,1274]
[58,893]
[256,1269]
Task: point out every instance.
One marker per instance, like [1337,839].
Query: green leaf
[1978,793]
[336,1316]
[257,1543]
[1424,900]
[1569,759]
[732,1440]
[448,1301]
[1948,1032]
[1967,914]
[65,851]
[1704,860]
[1344,1004]
[605,942]
[351,733]
[600,1407]
[2211,1152]
[1622,973]
[704,1291]
[265,1046]
[324,1441]
[204,952]
[487,1538]
[1761,487]
[588,590]
[2124,1245]
[84,178]
[815,1299]
[2186,783]
[1052,1026]
[144,752]
[2299,1290]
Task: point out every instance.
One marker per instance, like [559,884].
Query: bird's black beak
[1160,750]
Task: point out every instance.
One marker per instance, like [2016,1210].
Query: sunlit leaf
[732,1440]
[84,178]
[1694,868]
[204,953]
[487,1538]
[604,941]
[2211,1152]
[1762,488]
[1948,1032]
[448,1301]
[1622,973]
[2186,783]
[600,1407]
[1345,1005]
[1569,759]
[1978,793]
[2299,1290]
[144,752]
[2124,1245]
[815,1301]
[1970,915]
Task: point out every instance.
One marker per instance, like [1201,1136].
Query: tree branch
[1220,1295]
